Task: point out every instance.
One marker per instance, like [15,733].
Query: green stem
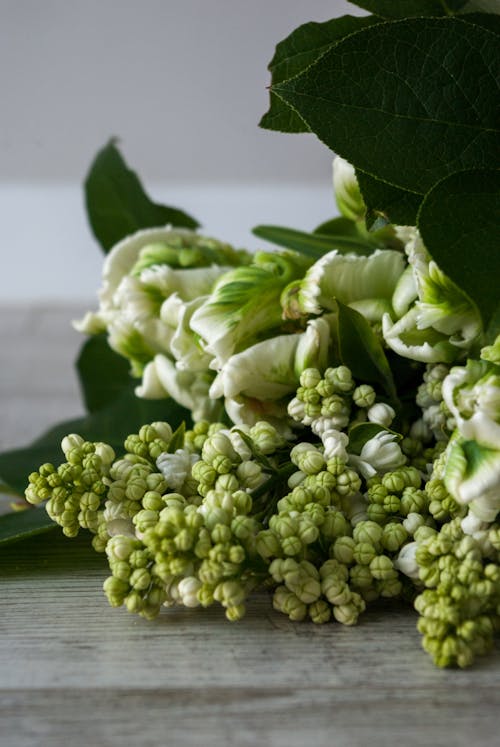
[278,479]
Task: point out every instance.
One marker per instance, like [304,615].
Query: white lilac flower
[406,560]
[117,521]
[381,413]
[472,524]
[187,591]
[334,444]
[190,389]
[176,467]
[379,454]
[365,283]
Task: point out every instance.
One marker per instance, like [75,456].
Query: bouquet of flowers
[321,420]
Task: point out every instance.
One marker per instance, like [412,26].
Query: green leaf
[294,54]
[117,205]
[338,227]
[460,223]
[380,233]
[395,205]
[22,524]
[111,424]
[312,244]
[488,21]
[361,351]
[408,8]
[402,100]
[177,440]
[362,432]
[103,374]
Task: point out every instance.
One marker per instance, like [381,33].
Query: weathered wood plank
[74,671]
[72,667]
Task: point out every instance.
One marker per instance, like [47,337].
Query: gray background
[181,82]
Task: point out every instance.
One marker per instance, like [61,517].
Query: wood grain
[75,672]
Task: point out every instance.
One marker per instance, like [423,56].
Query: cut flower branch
[321,419]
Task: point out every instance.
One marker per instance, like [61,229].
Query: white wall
[183,85]
[182,82]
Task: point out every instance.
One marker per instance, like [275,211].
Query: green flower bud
[267,544]
[381,567]
[250,475]
[291,545]
[336,591]
[337,410]
[320,612]
[390,586]
[140,579]
[218,445]
[309,591]
[287,602]
[340,378]
[364,553]
[115,590]
[244,528]
[235,613]
[335,525]
[360,577]
[394,536]
[343,550]
[348,483]
[284,526]
[364,396]
[348,614]
[310,378]
[120,547]
[370,532]
[266,437]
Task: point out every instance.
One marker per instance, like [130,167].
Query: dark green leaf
[488,21]
[117,205]
[294,54]
[362,432]
[22,524]
[380,234]
[338,227]
[409,8]
[103,373]
[361,351]
[177,440]
[112,424]
[312,244]
[281,117]
[460,224]
[384,200]
[402,100]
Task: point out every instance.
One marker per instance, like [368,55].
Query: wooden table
[75,672]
